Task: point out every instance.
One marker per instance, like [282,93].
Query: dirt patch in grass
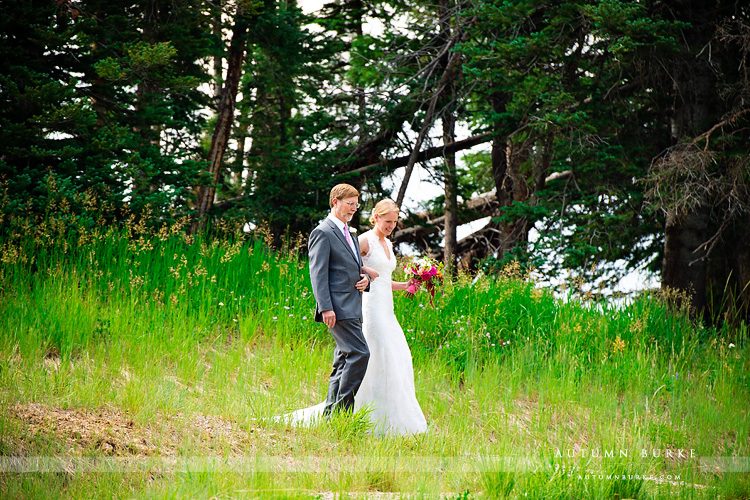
[113,433]
[107,430]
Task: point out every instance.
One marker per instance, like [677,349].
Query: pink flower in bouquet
[424,271]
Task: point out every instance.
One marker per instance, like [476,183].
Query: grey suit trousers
[349,365]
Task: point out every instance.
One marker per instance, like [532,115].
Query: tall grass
[195,343]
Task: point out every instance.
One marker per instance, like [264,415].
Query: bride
[387,390]
[388,387]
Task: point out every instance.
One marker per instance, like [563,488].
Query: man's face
[344,209]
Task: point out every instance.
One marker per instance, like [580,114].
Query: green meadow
[142,363]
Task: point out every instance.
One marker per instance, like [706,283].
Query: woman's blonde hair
[383,207]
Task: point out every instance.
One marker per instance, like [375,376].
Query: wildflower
[731,345]
[618,345]
[221,303]
[304,318]
[275,318]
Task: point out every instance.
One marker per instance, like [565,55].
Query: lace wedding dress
[387,390]
[388,387]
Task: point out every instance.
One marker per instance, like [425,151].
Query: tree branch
[710,131]
[458,37]
[482,205]
[426,154]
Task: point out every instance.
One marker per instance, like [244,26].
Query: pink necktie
[349,239]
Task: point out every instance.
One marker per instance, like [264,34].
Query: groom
[338,283]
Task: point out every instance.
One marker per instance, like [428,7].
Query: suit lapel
[332,225]
[356,245]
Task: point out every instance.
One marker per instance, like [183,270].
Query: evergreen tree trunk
[741,269]
[225,117]
[153,16]
[451,195]
[488,240]
[218,60]
[449,137]
[684,265]
[358,11]
[683,268]
[239,161]
[509,184]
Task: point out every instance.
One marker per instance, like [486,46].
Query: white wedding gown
[387,390]
[388,387]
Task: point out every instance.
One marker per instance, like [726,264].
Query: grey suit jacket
[334,270]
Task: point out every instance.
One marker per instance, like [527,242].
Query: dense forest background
[618,129]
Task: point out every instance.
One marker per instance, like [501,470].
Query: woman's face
[386,223]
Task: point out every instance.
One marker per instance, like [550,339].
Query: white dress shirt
[344,230]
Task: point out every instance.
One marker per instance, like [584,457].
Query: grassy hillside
[147,364]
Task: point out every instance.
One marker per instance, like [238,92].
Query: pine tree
[102,97]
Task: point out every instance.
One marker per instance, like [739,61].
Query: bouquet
[424,271]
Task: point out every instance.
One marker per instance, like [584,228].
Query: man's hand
[372,273]
[363,283]
[329,318]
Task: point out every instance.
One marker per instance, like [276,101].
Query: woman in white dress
[387,390]
[388,387]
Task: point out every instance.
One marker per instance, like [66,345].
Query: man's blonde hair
[383,207]
[341,191]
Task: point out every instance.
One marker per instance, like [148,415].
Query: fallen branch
[468,211]
[480,206]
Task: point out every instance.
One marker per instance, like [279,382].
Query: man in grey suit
[338,283]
